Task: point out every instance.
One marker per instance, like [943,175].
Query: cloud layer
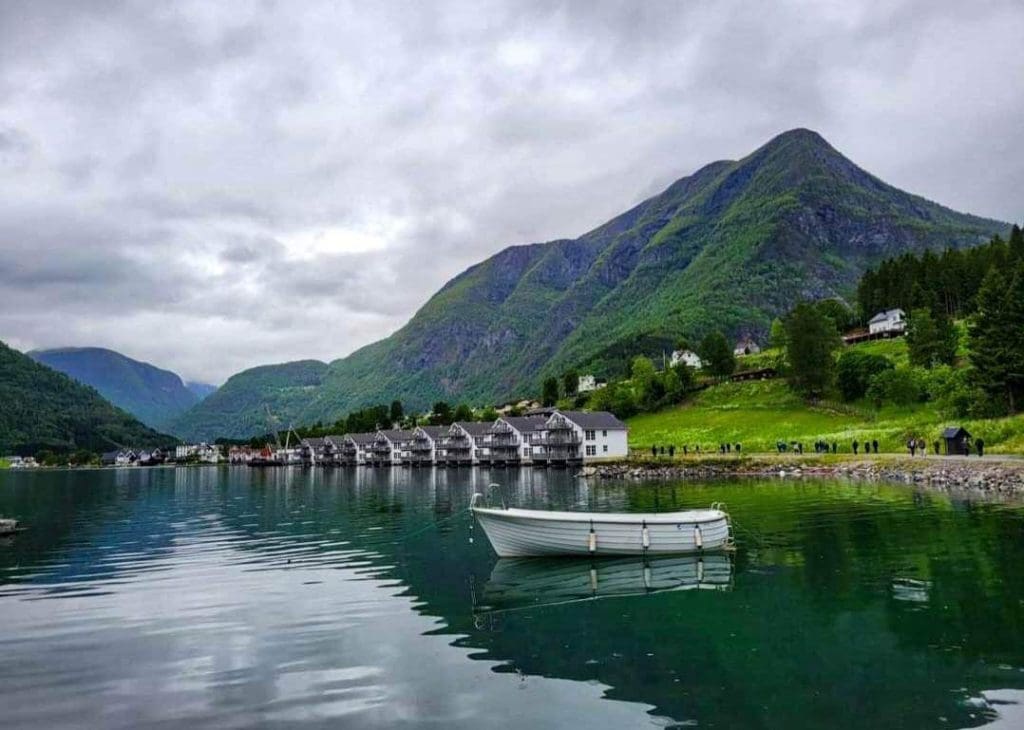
[212,186]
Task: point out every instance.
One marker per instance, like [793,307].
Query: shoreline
[994,475]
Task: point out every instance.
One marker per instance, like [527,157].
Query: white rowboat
[516,533]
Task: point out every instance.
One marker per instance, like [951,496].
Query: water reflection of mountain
[851,606]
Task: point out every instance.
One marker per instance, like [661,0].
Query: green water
[234,598]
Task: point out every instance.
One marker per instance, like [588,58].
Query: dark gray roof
[335,438]
[594,419]
[312,442]
[434,432]
[397,434]
[362,438]
[525,424]
[474,428]
[953,431]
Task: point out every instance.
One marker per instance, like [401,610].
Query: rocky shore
[989,476]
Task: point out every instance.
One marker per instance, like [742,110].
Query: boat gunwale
[606,518]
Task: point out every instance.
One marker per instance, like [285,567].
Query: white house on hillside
[689,358]
[891,320]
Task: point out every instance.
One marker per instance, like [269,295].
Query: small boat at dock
[526,533]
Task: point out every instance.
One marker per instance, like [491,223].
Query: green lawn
[757,414]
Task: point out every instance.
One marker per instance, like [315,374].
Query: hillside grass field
[758,414]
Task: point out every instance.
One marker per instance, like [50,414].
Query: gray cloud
[212,186]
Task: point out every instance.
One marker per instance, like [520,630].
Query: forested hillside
[42,409]
[151,394]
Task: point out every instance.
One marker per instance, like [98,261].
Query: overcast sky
[210,186]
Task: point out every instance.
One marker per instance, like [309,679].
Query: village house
[312,450]
[391,446]
[891,321]
[463,443]
[425,448]
[356,448]
[689,358]
[242,454]
[203,452]
[21,462]
[588,384]
[510,440]
[571,437]
[121,457]
[746,346]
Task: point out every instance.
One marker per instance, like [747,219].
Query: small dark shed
[957,440]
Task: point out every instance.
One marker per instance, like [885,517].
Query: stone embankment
[991,476]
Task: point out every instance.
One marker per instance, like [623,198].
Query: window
[605,433]
[590,435]
[591,450]
[605,448]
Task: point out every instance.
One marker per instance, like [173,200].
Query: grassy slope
[759,413]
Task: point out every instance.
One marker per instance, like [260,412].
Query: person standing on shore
[874,445]
[912,446]
[980,444]
[654,451]
[672,451]
[856,445]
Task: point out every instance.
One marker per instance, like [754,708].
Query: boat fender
[645,536]
[593,579]
[647,577]
[592,539]
[700,570]
[698,538]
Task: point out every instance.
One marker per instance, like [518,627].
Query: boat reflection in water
[517,583]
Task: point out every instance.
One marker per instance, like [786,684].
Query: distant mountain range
[201,390]
[41,408]
[729,247]
[153,395]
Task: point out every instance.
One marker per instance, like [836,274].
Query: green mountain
[250,400]
[729,248]
[154,396]
[41,408]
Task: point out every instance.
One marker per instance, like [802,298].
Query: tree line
[945,283]
[983,285]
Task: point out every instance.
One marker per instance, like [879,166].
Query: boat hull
[528,533]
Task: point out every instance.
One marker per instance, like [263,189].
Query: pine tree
[997,337]
[811,338]
[717,356]
[1017,243]
[549,392]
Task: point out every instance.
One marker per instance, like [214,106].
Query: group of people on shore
[670,450]
[915,446]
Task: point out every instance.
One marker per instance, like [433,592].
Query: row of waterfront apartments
[547,438]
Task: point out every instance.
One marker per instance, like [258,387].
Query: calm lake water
[228,598]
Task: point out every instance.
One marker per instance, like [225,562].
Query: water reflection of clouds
[239,628]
